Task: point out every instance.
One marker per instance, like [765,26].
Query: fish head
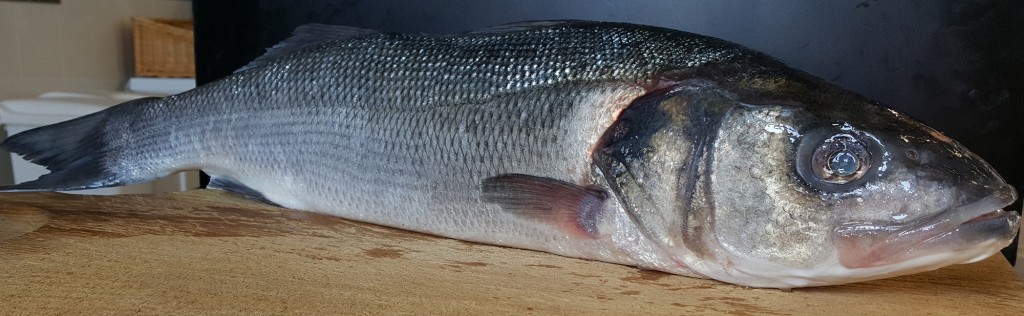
[912,200]
[816,186]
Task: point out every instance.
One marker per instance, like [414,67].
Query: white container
[160,86]
[53,107]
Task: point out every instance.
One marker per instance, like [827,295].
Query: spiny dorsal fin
[305,35]
[523,26]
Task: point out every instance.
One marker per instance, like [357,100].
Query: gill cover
[656,159]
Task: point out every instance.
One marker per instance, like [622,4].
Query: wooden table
[206,252]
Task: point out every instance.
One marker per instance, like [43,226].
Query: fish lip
[946,219]
[863,245]
[955,216]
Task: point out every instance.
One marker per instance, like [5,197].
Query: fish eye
[840,159]
[834,161]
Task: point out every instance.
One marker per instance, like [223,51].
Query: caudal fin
[74,151]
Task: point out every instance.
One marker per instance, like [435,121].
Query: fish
[623,143]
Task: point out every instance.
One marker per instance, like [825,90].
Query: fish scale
[622,143]
[383,140]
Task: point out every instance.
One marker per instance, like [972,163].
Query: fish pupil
[843,163]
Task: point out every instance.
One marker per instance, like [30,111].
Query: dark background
[957,65]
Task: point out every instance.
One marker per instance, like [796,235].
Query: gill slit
[698,171]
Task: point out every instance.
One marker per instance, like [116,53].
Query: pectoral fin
[574,208]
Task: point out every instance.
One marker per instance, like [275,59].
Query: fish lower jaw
[880,248]
[770,275]
[973,240]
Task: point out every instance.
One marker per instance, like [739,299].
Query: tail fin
[74,151]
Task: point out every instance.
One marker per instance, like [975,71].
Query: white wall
[76,46]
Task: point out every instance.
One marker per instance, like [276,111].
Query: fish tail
[75,151]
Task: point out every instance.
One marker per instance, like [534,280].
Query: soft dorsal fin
[305,35]
[523,26]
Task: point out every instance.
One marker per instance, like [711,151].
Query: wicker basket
[163,48]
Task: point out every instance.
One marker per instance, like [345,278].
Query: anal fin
[234,186]
[573,208]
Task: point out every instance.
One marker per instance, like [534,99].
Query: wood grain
[206,252]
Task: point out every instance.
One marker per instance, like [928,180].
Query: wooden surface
[204,252]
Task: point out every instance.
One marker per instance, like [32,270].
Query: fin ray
[74,151]
[571,207]
[522,26]
[303,36]
[229,184]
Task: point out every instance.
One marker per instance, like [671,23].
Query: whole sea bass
[616,142]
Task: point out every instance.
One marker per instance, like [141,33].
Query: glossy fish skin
[615,142]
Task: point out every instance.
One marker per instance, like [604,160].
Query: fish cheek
[899,197]
[762,213]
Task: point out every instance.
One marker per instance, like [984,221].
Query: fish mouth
[964,233]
